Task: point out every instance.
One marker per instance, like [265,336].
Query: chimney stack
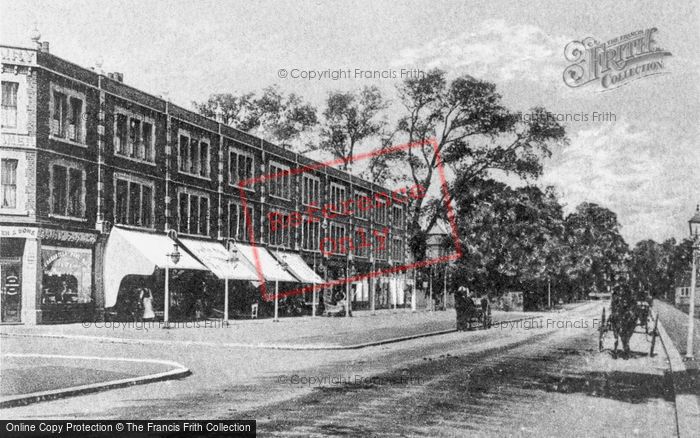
[116,76]
[45,46]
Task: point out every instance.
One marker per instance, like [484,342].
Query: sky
[643,164]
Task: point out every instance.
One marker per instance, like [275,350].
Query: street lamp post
[348,275]
[392,282]
[314,298]
[694,225]
[444,290]
[372,285]
[175,257]
[232,258]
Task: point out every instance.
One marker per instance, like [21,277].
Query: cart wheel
[601,331]
[654,333]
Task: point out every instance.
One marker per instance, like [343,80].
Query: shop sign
[67,236]
[19,232]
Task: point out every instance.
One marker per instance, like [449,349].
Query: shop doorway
[10,291]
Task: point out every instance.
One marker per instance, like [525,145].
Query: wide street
[543,377]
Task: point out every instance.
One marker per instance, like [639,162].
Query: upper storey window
[9,104]
[193,156]
[134,136]
[67,114]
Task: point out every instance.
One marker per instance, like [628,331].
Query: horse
[623,320]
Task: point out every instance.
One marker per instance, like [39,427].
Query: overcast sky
[644,165]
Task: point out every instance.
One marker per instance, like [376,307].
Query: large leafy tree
[597,251]
[349,119]
[475,133]
[511,237]
[279,118]
[656,267]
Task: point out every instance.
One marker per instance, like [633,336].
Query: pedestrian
[198,309]
[146,299]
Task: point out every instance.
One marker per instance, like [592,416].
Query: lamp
[232,251]
[175,255]
[694,224]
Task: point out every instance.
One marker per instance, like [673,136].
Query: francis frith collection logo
[616,62]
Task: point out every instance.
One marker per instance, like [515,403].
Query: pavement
[302,333]
[33,377]
[686,372]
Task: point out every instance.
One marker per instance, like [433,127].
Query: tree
[597,250]
[235,111]
[475,134]
[381,167]
[276,117]
[511,237]
[350,118]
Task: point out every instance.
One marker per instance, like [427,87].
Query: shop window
[8,183]
[9,104]
[67,275]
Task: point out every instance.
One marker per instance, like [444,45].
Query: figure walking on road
[146,298]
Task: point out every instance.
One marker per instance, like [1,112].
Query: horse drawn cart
[622,322]
[470,316]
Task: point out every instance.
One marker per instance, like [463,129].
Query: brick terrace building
[82,152]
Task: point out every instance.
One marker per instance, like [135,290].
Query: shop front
[11,252]
[46,275]
[67,283]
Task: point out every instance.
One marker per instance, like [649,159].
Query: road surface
[547,379]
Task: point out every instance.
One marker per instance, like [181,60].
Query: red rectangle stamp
[362,239]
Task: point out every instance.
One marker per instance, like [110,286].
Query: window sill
[65,140]
[68,218]
[15,131]
[280,198]
[136,160]
[13,212]
[247,188]
[195,175]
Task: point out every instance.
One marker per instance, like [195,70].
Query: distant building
[436,247]
[682,292]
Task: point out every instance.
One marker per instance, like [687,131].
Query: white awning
[297,266]
[265,263]
[131,252]
[215,257]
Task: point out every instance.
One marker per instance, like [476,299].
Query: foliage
[475,133]
[277,117]
[349,118]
